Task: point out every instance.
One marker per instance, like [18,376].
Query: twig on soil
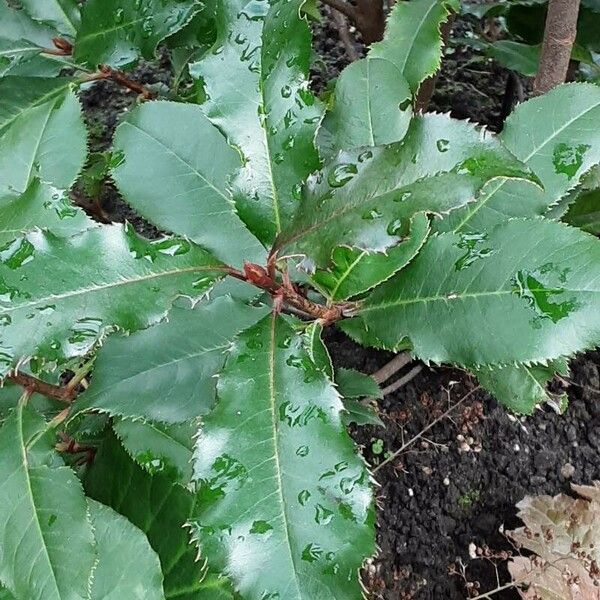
[402,381]
[569,381]
[391,368]
[419,435]
[105,72]
[345,36]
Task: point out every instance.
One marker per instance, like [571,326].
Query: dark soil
[435,499]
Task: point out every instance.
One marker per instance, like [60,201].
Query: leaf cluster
[169,405]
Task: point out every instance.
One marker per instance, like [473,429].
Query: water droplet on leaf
[342,174]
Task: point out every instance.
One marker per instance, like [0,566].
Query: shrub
[213,414]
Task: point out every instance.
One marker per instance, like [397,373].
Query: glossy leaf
[525,292]
[20,95]
[167,373]
[316,348]
[41,205]
[523,388]
[159,447]
[284,503]
[354,384]
[585,212]
[263,106]
[17,25]
[413,41]
[557,137]
[516,56]
[48,141]
[103,278]
[372,107]
[117,33]
[174,168]
[127,566]
[359,413]
[61,15]
[40,508]
[356,271]
[24,58]
[10,394]
[160,508]
[361,197]
[5,594]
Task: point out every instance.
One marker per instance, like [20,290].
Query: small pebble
[567,470]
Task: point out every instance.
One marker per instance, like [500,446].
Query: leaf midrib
[34,104]
[352,206]
[432,5]
[444,298]
[272,409]
[36,520]
[346,274]
[483,202]
[193,355]
[75,293]
[104,32]
[182,160]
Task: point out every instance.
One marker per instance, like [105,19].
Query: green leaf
[359,413]
[316,348]
[41,205]
[372,106]
[174,171]
[523,388]
[360,198]
[159,447]
[5,594]
[525,292]
[356,271]
[354,384]
[263,105]
[279,481]
[62,15]
[160,508]
[48,141]
[117,33]
[556,136]
[10,394]
[588,183]
[40,508]
[103,278]
[516,56]
[591,4]
[17,25]
[585,212]
[127,566]
[167,373]
[412,38]
[23,58]
[20,95]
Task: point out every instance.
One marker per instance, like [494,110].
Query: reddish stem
[286,293]
[105,72]
[35,385]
